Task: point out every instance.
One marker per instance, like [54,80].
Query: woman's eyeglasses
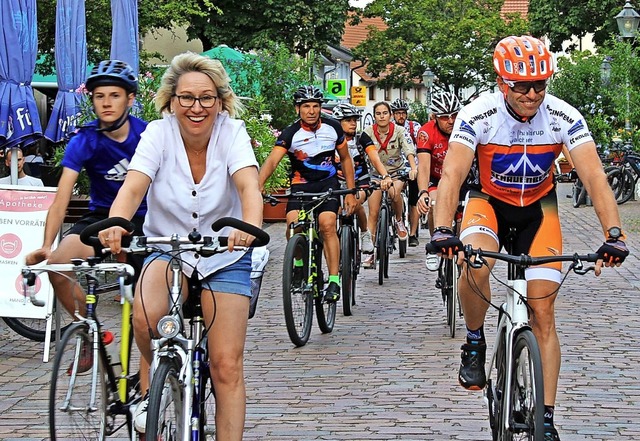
[206,101]
[524,87]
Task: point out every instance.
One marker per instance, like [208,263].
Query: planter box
[278,212]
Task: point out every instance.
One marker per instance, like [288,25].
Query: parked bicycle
[181,395]
[386,232]
[623,173]
[514,390]
[91,390]
[303,286]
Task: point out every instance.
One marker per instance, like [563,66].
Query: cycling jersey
[431,140]
[411,129]
[391,151]
[105,160]
[312,152]
[516,158]
[359,146]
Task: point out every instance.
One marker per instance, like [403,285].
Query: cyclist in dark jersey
[311,144]
[103,148]
[516,135]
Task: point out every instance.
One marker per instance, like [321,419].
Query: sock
[298,262]
[334,278]
[475,337]
[548,415]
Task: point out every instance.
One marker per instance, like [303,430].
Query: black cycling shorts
[332,204]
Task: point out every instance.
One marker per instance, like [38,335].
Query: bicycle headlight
[168,327]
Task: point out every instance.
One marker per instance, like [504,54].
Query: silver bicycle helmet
[345,110]
[399,104]
[445,103]
[112,73]
[307,94]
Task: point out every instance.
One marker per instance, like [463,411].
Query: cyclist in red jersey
[516,135]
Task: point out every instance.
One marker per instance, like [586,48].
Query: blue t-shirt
[105,160]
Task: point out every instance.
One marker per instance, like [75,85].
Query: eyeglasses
[524,87]
[206,101]
[447,116]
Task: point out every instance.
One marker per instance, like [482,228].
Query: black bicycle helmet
[345,110]
[112,73]
[399,104]
[445,103]
[308,94]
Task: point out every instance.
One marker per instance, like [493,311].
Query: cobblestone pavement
[389,371]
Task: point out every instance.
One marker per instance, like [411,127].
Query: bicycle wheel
[165,417]
[578,194]
[346,268]
[207,398]
[526,407]
[621,182]
[73,413]
[382,233]
[495,384]
[451,283]
[325,312]
[297,295]
[35,329]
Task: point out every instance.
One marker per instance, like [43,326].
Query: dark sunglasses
[524,87]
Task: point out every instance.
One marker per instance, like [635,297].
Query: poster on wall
[23,211]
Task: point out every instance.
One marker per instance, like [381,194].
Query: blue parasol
[124,34]
[71,66]
[19,120]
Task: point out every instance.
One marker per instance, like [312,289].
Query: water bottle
[112,352]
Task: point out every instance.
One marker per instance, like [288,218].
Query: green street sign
[337,88]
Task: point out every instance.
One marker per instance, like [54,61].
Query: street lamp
[605,70]
[628,20]
[428,78]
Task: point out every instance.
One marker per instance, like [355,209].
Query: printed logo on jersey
[464,127]
[576,128]
[515,170]
[119,171]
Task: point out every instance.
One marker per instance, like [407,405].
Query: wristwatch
[615,233]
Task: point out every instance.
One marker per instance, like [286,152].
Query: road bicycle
[303,286]
[350,259]
[181,396]
[514,392]
[624,173]
[386,230]
[92,393]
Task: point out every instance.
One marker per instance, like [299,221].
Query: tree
[454,39]
[152,15]
[560,20]
[300,25]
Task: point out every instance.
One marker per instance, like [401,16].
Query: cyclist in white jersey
[516,135]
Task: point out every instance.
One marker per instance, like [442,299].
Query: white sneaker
[140,415]
[433,262]
[369,261]
[366,245]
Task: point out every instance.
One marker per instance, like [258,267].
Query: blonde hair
[192,62]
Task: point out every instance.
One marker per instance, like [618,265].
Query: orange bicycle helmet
[522,59]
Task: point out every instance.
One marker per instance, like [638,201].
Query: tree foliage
[300,25]
[559,20]
[454,39]
[152,15]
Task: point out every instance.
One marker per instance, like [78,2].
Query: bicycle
[303,286]
[386,231]
[624,173]
[350,259]
[514,392]
[181,395]
[86,400]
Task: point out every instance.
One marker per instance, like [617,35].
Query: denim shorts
[232,279]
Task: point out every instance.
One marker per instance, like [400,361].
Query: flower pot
[278,212]
[565,167]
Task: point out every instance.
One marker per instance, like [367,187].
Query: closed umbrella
[71,67]
[19,121]
[124,34]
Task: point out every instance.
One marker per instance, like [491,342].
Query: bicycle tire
[325,312]
[35,329]
[346,269]
[402,248]
[452,295]
[70,413]
[495,384]
[622,183]
[164,414]
[207,400]
[297,301]
[578,194]
[382,242]
[526,411]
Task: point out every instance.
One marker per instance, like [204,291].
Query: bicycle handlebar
[525,260]
[88,236]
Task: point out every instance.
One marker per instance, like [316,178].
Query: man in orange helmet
[516,134]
